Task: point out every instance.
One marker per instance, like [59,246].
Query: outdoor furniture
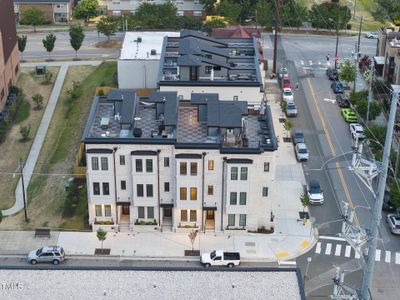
[42,232]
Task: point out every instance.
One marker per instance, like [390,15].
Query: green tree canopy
[329,15]
[76,37]
[348,71]
[22,42]
[378,134]
[86,9]
[158,16]
[107,26]
[49,42]
[360,102]
[33,16]
[230,10]
[208,26]
[210,6]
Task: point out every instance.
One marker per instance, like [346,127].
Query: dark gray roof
[200,98]
[126,107]
[216,63]
[41,1]
[189,60]
[202,36]
[144,153]
[171,106]
[187,46]
[226,114]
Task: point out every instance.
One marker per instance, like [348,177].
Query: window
[60,5]
[233,198]
[193,193]
[235,98]
[210,190]
[139,165]
[106,188]
[193,169]
[242,220]
[208,69]
[96,188]
[122,160]
[266,167]
[234,173]
[183,195]
[208,56]
[123,185]
[193,216]
[183,215]
[141,212]
[149,190]
[107,210]
[183,168]
[166,186]
[166,161]
[179,13]
[265,191]
[149,165]
[98,210]
[217,68]
[231,220]
[95,163]
[139,190]
[150,212]
[243,173]
[210,165]
[104,163]
[243,197]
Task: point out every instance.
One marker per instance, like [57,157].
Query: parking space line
[387,256]
[328,249]
[378,255]
[318,248]
[348,251]
[338,250]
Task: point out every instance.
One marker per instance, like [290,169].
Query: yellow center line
[328,137]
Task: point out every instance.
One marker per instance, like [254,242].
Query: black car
[387,202]
[332,74]
[343,100]
[337,87]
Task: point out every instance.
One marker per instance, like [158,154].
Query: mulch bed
[98,251]
[192,253]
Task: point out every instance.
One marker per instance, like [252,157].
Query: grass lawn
[46,193]
[12,149]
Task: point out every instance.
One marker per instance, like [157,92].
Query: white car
[287,95]
[357,131]
[315,192]
[371,35]
[302,153]
[283,72]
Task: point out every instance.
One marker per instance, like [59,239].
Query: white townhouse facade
[201,163]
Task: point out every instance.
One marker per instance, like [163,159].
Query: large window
[139,190]
[96,188]
[208,69]
[184,216]
[193,193]
[266,167]
[183,168]
[234,173]
[233,198]
[243,198]
[139,165]
[106,188]
[231,220]
[265,191]
[98,210]
[123,185]
[166,186]
[183,193]
[149,165]
[107,210]
[242,220]
[104,163]
[210,165]
[166,161]
[210,190]
[193,168]
[95,163]
[243,173]
[141,212]
[150,212]
[122,160]
[193,216]
[149,190]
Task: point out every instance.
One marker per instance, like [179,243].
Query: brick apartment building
[54,10]
[9,55]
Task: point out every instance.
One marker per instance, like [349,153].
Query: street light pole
[21,167]
[337,42]
[377,212]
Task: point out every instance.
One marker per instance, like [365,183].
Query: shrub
[47,77]
[38,100]
[25,131]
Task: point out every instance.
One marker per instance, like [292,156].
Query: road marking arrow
[329,100]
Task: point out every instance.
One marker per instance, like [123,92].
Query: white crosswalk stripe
[348,251]
[338,250]
[328,249]
[397,261]
[318,248]
[378,255]
[387,256]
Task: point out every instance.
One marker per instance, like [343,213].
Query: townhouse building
[178,163]
[388,57]
[54,10]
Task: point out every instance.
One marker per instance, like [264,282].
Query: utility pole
[377,212]
[354,12]
[21,167]
[277,24]
[337,42]
[370,89]
[358,53]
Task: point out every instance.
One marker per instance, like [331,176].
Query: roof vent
[153,52]
[139,40]
[137,132]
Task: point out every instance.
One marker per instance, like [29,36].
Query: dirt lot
[12,149]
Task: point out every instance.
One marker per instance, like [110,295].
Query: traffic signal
[337,58]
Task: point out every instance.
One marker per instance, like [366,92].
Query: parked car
[53,254]
[297,136]
[302,153]
[357,131]
[394,223]
[220,258]
[387,202]
[315,192]
[286,83]
[349,115]
[332,74]
[371,35]
[342,100]
[291,109]
[283,72]
[337,87]
[287,95]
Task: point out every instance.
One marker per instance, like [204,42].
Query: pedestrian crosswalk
[345,250]
[311,64]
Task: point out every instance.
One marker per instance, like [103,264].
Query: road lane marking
[338,250]
[397,261]
[328,249]
[378,255]
[318,248]
[333,238]
[387,256]
[348,251]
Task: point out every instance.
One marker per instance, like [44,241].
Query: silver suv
[53,254]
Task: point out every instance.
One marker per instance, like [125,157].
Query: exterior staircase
[124,227]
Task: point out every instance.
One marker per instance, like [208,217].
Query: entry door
[167,212]
[125,210]
[210,215]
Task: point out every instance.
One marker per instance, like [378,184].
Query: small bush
[47,77]
[38,100]
[25,131]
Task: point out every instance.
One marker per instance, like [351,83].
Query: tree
[22,43]
[108,26]
[86,9]
[189,23]
[210,6]
[192,237]
[360,102]
[293,14]
[25,131]
[378,134]
[159,16]
[231,11]
[33,16]
[49,42]
[287,125]
[101,236]
[305,200]
[76,37]
[329,15]
[38,100]
[208,26]
[395,192]
[348,71]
